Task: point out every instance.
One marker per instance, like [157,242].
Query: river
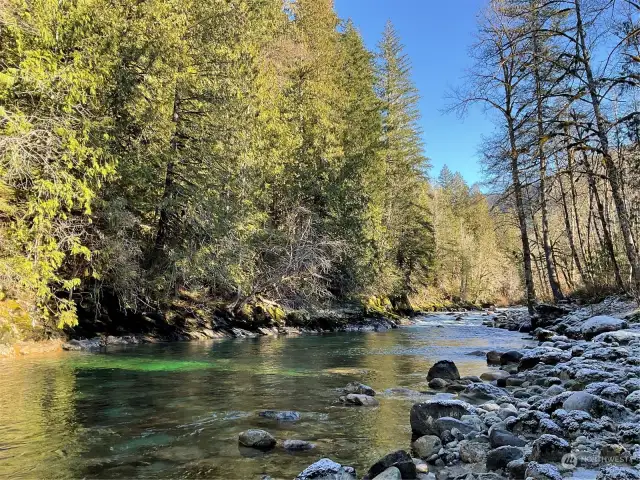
[175,410]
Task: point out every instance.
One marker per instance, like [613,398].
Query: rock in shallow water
[444,369]
[359,389]
[327,469]
[360,400]
[255,438]
[281,416]
[297,445]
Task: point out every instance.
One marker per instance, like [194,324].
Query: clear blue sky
[437,35]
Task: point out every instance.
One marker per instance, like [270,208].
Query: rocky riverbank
[569,406]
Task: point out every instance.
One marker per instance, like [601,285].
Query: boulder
[495,375]
[542,471]
[473,452]
[501,438]
[633,400]
[297,445]
[444,369]
[498,458]
[442,424]
[391,473]
[594,405]
[426,446]
[438,383]
[618,473]
[601,324]
[255,438]
[493,357]
[424,414]
[549,448]
[517,469]
[360,400]
[622,337]
[326,469]
[399,459]
[359,389]
[281,416]
[546,355]
[483,391]
[608,391]
[510,357]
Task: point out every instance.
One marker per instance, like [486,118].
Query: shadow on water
[175,410]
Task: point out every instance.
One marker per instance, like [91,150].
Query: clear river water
[175,410]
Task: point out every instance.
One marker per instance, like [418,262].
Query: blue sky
[437,35]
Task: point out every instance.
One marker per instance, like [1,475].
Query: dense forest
[560,78]
[256,149]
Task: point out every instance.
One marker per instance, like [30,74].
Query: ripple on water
[175,410]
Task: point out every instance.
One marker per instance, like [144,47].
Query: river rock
[633,400]
[444,369]
[255,438]
[494,375]
[545,355]
[549,448]
[326,469]
[601,324]
[399,459]
[511,357]
[426,446]
[391,473]
[618,473]
[424,414]
[542,471]
[360,400]
[442,424]
[297,445]
[498,458]
[501,438]
[483,391]
[594,405]
[493,357]
[359,389]
[608,391]
[622,337]
[472,451]
[281,416]
[438,383]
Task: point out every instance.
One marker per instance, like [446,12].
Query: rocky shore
[569,406]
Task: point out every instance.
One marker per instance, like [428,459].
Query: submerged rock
[297,445]
[281,416]
[255,438]
[327,469]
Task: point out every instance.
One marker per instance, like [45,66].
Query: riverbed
[175,410]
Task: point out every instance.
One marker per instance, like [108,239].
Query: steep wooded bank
[560,79]
[169,155]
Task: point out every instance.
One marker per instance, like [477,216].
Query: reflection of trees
[38,435]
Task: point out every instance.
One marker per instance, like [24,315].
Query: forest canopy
[257,149]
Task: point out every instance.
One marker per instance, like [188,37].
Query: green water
[175,410]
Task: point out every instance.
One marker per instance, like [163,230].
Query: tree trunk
[613,173]
[567,223]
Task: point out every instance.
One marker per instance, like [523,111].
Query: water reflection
[174,411]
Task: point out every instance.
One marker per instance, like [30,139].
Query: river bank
[567,407]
